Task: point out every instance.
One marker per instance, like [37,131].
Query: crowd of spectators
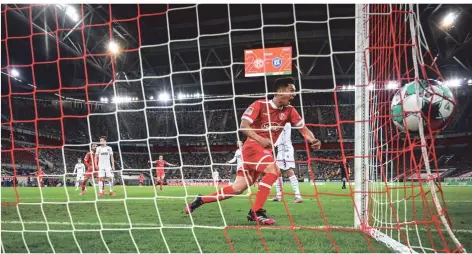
[42,123]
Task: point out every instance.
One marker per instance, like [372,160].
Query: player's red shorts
[88,173]
[256,159]
[160,173]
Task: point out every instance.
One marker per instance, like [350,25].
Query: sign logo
[276,62]
[259,63]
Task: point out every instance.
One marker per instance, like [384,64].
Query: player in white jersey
[286,163]
[216,176]
[105,163]
[237,156]
[79,170]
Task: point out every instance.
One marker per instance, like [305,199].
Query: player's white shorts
[105,172]
[285,159]
[80,177]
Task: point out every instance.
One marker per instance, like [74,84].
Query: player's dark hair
[104,137]
[283,82]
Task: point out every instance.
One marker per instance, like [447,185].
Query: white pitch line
[469,231]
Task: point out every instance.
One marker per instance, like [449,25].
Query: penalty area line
[469,231]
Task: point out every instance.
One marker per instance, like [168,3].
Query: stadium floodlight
[14,73]
[105,100]
[469,82]
[180,96]
[151,97]
[392,85]
[164,97]
[197,95]
[113,47]
[70,11]
[449,20]
[452,83]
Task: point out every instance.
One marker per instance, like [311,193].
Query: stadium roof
[153,30]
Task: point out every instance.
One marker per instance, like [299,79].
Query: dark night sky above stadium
[180,27]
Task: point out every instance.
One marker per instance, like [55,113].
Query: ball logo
[282,116]
[276,62]
[258,63]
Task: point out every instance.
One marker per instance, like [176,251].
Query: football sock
[278,186]
[100,186]
[162,182]
[344,184]
[83,184]
[111,184]
[77,185]
[294,181]
[225,193]
[263,191]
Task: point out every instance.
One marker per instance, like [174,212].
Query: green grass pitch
[134,221]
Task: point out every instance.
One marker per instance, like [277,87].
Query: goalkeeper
[262,123]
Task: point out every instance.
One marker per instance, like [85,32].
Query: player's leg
[162,179]
[344,183]
[111,179]
[294,182]
[241,183]
[279,183]
[101,185]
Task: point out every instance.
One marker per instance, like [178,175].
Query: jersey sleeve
[252,112]
[295,118]
[110,150]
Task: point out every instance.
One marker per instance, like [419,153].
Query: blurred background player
[216,176]
[237,156]
[105,163]
[79,170]
[286,164]
[91,170]
[262,123]
[344,173]
[160,172]
[141,179]
[39,174]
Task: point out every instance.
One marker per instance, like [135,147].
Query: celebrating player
[90,163]
[141,179]
[344,173]
[79,170]
[286,163]
[262,123]
[160,173]
[105,163]
[237,156]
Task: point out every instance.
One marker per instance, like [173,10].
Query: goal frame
[362,149]
[364,159]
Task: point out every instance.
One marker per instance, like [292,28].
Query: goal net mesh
[400,205]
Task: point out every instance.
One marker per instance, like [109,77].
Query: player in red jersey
[141,179]
[262,123]
[90,164]
[160,173]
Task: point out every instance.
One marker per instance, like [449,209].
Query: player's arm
[297,121]
[249,116]
[233,160]
[87,160]
[75,168]
[95,162]
[169,164]
[112,159]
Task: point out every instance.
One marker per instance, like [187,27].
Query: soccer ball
[436,102]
